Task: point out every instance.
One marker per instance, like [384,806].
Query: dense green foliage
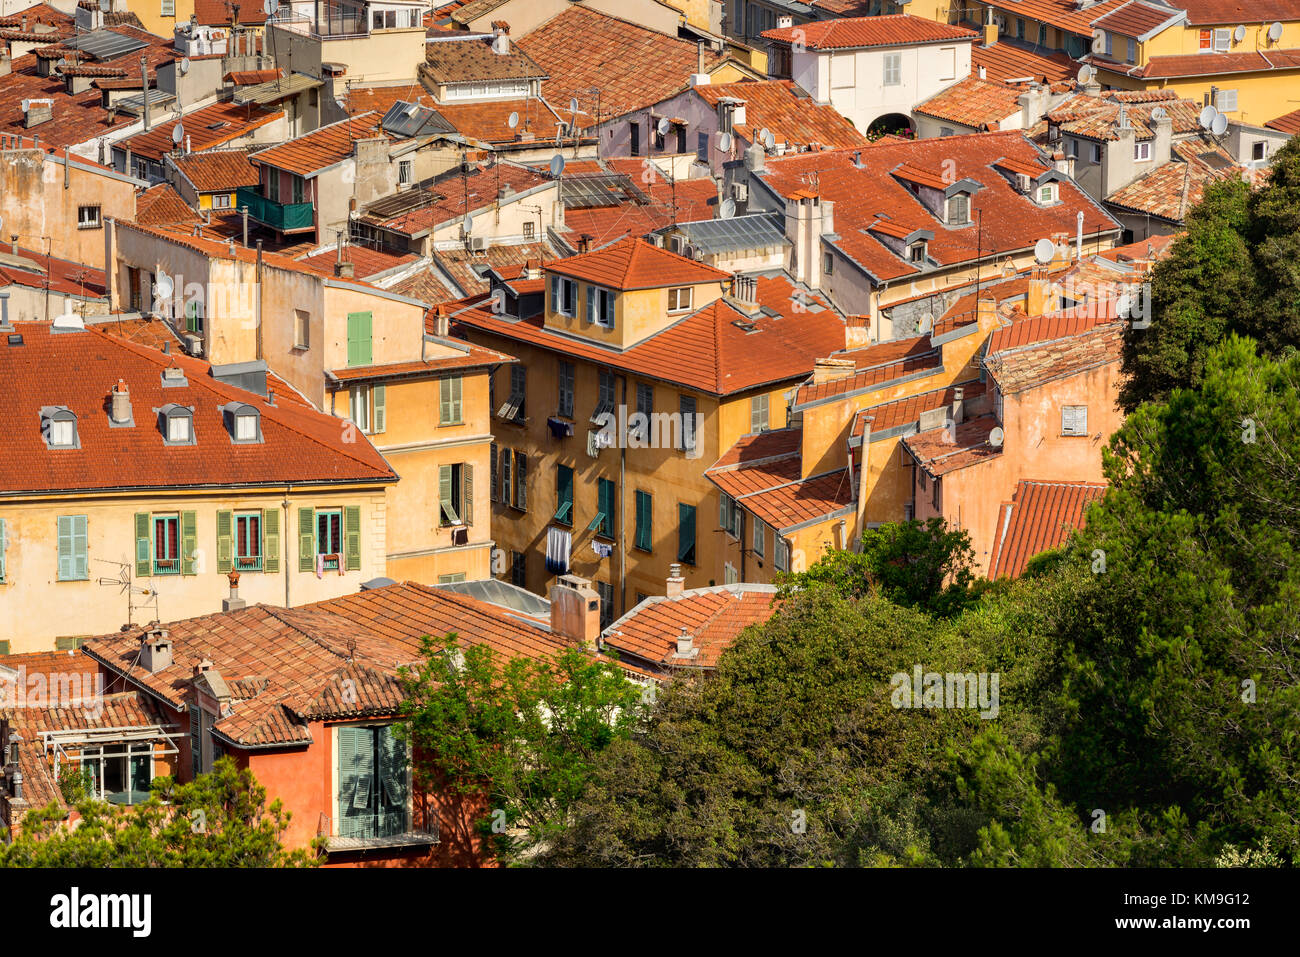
[217,820]
[519,735]
[1237,270]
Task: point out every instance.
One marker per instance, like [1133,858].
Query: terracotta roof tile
[876,365]
[1136,19]
[161,205]
[1208,12]
[1040,516]
[465,267]
[1208,64]
[688,200]
[848,32]
[489,122]
[1173,188]
[475,357]
[973,102]
[632,66]
[77,370]
[636,264]
[215,170]
[789,113]
[464,58]
[307,155]
[1007,62]
[449,197]
[707,350]
[1066,14]
[713,617]
[1286,123]
[940,452]
[1025,367]
[220,13]
[367,263]
[230,121]
[61,276]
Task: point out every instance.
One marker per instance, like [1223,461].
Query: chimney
[857,160]
[829,370]
[958,405]
[584,243]
[6,63]
[202,667]
[1037,300]
[744,293]
[234,602]
[676,584]
[685,645]
[857,331]
[575,610]
[144,79]
[986,312]
[990,33]
[37,111]
[533,269]
[344,270]
[441,322]
[5,325]
[699,57]
[156,651]
[16,785]
[120,412]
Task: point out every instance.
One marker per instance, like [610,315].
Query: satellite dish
[728,208]
[469,224]
[926,323]
[62,62]
[1044,250]
[513,121]
[1206,117]
[163,285]
[769,140]
[996,437]
[573,104]
[1220,125]
[1159,113]
[1275,31]
[185,65]
[268,6]
[1239,34]
[1085,74]
[663,126]
[724,143]
[178,133]
[354,214]
[557,165]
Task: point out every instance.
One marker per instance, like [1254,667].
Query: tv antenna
[125,586]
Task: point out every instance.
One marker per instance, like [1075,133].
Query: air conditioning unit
[740,192]
[478,243]
[1023,182]
[193,344]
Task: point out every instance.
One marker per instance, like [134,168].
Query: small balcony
[284,217]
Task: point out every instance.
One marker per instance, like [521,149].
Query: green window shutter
[4,546]
[65,548]
[352,537]
[644,531]
[686,534]
[605,497]
[492,478]
[359,339]
[467,497]
[444,401]
[143,565]
[80,549]
[444,494]
[392,783]
[225,541]
[456,384]
[724,512]
[306,540]
[378,409]
[591,304]
[356,772]
[271,540]
[189,542]
[521,481]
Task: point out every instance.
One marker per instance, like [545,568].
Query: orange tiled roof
[1206,64]
[1040,516]
[1097,117]
[1009,62]
[1064,14]
[309,154]
[1017,369]
[217,169]
[635,264]
[757,462]
[1173,188]
[688,200]
[290,665]
[890,415]
[844,33]
[252,77]
[449,197]
[632,66]
[939,453]
[144,331]
[459,265]
[707,350]
[802,500]
[788,112]
[1012,222]
[78,117]
[366,262]
[1211,12]
[876,365]
[713,617]
[216,13]
[230,122]
[298,445]
[462,58]
[61,276]
[973,102]
[474,357]
[1286,123]
[489,121]
[1136,19]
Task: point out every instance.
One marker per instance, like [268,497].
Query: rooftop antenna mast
[125,586]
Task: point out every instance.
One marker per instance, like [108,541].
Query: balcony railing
[333,22]
[282,216]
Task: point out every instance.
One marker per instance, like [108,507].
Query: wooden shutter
[555,293]
[644,506]
[65,548]
[445,510]
[271,540]
[352,537]
[189,542]
[225,541]
[521,481]
[378,408]
[356,773]
[306,540]
[359,339]
[456,383]
[391,755]
[686,533]
[605,494]
[507,484]
[143,563]
[724,511]
[467,497]
[591,304]
[493,493]
[4,545]
[444,401]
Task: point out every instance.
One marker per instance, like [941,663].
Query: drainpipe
[144,80]
[284,542]
[259,299]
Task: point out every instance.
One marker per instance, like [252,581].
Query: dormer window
[959,209]
[600,306]
[59,428]
[1046,194]
[177,424]
[243,422]
[679,299]
[564,296]
[916,253]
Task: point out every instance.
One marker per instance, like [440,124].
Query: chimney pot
[958,405]
[156,650]
[685,647]
[121,403]
[575,610]
[676,584]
